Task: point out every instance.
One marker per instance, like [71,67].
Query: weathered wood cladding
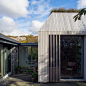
[43,50]
[44,58]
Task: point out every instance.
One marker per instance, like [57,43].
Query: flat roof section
[29,44]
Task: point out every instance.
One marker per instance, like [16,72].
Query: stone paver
[25,80]
[81,83]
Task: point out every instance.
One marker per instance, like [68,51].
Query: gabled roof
[8,39]
[64,22]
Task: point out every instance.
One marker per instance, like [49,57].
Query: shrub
[34,75]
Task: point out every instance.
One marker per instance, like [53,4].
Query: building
[62,49]
[8,56]
[14,53]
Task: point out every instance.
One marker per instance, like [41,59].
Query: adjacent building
[8,56]
[14,53]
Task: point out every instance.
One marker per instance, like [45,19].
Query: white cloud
[18,8]
[40,8]
[34,2]
[9,27]
[35,26]
[7,24]
[18,32]
[81,4]
[14,8]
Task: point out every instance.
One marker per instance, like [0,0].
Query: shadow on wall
[43,68]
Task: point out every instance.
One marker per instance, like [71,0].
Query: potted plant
[33,76]
[28,71]
[18,68]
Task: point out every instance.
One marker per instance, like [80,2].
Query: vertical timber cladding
[53,58]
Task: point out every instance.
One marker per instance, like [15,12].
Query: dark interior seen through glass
[71,57]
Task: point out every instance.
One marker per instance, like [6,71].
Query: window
[72,57]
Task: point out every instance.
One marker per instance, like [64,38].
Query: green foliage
[18,68]
[80,13]
[8,35]
[72,10]
[35,53]
[64,10]
[24,41]
[28,71]
[36,41]
[32,39]
[30,35]
[17,60]
[34,75]
[12,36]
[26,62]
[29,53]
[25,72]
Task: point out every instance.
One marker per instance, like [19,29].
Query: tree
[80,13]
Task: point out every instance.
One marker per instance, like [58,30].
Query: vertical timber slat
[50,58]
[59,59]
[53,58]
[47,56]
[56,59]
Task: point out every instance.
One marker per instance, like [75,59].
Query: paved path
[24,80]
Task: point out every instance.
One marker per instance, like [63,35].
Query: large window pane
[28,56]
[7,59]
[71,57]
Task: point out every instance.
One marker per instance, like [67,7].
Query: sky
[25,17]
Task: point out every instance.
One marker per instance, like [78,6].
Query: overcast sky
[25,17]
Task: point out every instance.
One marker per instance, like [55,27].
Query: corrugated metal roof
[8,39]
[64,22]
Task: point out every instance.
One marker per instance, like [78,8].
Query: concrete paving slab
[25,80]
